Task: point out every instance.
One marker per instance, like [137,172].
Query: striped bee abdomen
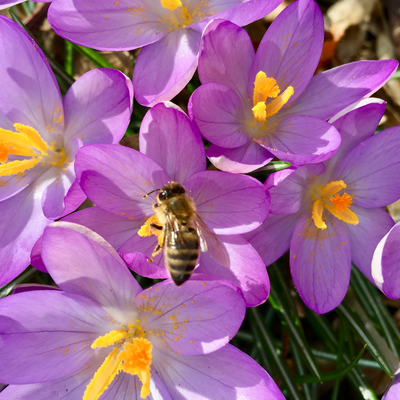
[181,254]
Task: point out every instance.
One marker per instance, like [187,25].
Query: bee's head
[171,190]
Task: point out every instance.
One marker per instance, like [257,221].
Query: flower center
[26,142]
[264,88]
[329,198]
[181,17]
[132,354]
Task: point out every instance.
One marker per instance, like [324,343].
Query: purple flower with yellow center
[385,263]
[256,106]
[329,214]
[116,178]
[169,32]
[102,336]
[39,136]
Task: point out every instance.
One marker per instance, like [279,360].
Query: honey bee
[183,233]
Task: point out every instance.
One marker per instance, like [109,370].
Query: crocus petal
[246,269]
[98,107]
[137,252]
[227,373]
[241,14]
[320,263]
[219,114]
[354,127]
[177,53]
[332,90]
[36,256]
[53,196]
[377,183]
[173,141]
[301,139]
[29,287]
[27,80]
[61,388]
[45,335]
[221,43]
[228,203]
[93,269]
[140,263]
[107,26]
[373,225]
[114,229]
[287,187]
[241,160]
[116,177]
[185,317]
[21,224]
[290,49]
[272,239]
[73,199]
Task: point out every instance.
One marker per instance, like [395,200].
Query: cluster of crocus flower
[99,335]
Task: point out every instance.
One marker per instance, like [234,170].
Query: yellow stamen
[103,377]
[33,137]
[26,142]
[171,5]
[264,88]
[318,209]
[134,357]
[341,203]
[110,338]
[338,205]
[259,111]
[3,151]
[279,102]
[17,167]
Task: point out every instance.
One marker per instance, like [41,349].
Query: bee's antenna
[155,190]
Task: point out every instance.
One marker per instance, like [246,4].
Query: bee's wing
[209,243]
[173,233]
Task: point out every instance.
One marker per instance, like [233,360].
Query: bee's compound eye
[163,195]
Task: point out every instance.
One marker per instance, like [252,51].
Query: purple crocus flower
[165,342]
[115,178]
[330,214]
[168,30]
[254,106]
[385,263]
[9,3]
[39,136]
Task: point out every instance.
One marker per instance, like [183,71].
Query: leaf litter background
[349,353]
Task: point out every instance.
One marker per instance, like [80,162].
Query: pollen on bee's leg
[147,228]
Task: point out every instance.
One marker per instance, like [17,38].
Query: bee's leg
[159,246]
[154,226]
